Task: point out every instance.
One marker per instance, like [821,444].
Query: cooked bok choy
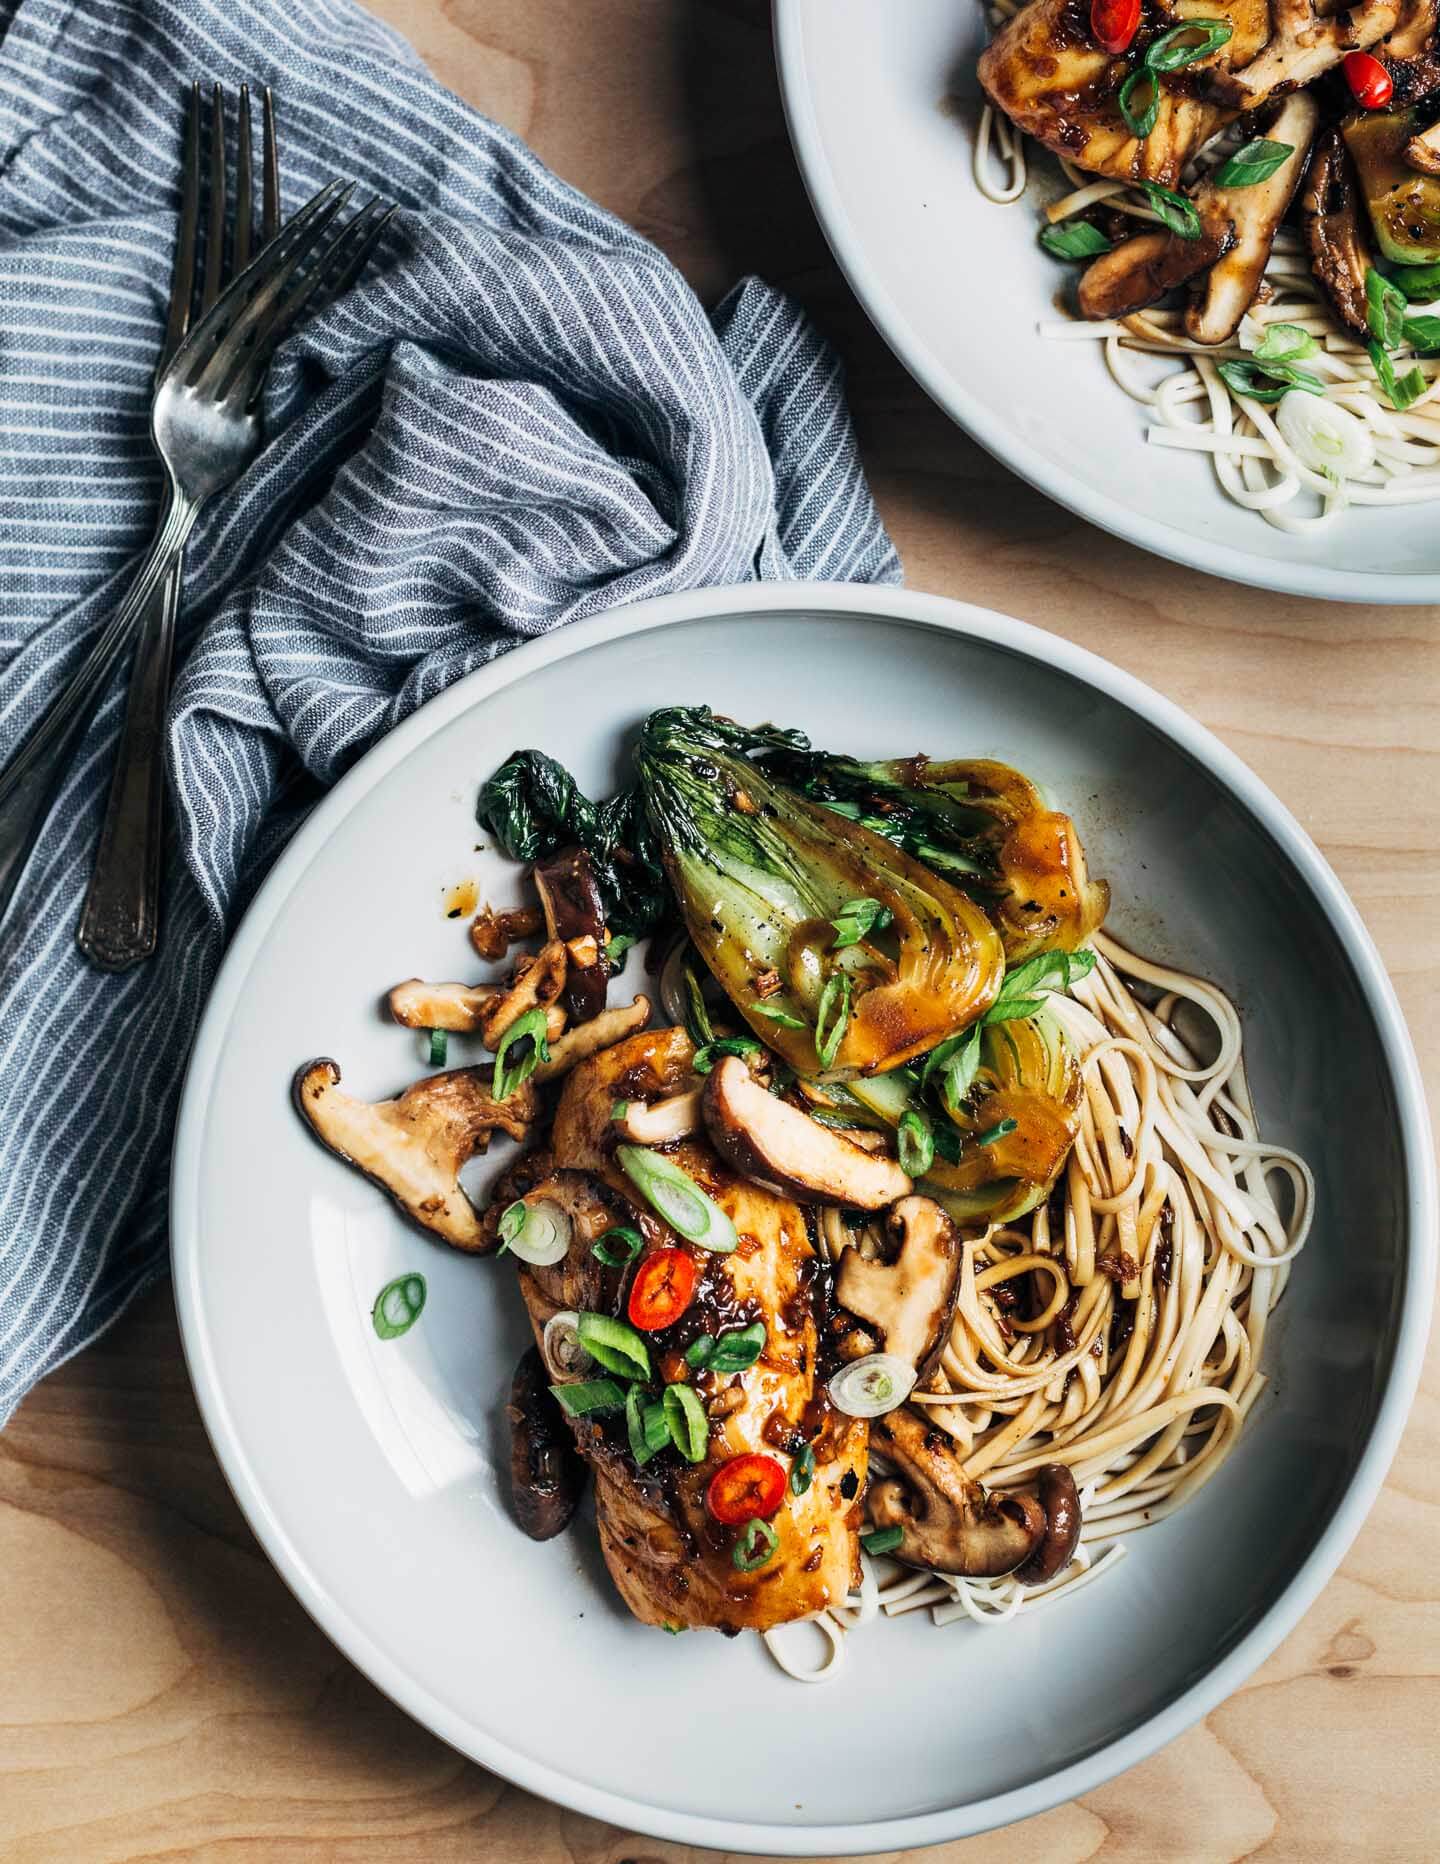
[840,950]
[981,824]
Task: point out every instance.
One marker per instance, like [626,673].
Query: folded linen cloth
[520,416]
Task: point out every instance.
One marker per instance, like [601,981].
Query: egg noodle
[1390,458]
[1152,1272]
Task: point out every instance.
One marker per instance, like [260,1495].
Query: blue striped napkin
[520,416]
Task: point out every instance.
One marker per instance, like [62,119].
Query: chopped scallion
[755,1547]
[617,1247]
[615,1344]
[687,1423]
[678,1199]
[527,1030]
[882,1540]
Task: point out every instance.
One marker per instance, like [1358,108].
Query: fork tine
[244,184]
[337,286]
[182,284]
[262,285]
[270,221]
[215,229]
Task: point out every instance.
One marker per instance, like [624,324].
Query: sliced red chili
[1370,83]
[747,1488]
[1114,23]
[663,1287]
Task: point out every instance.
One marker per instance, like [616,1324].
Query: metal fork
[206,430]
[120,920]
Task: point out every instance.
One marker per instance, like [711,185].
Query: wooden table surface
[161,1693]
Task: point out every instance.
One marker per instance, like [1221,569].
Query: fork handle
[30,778]
[120,920]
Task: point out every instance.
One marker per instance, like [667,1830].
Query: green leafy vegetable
[1047,970]
[755,1546]
[706,1058]
[882,1539]
[398,1306]
[916,1143]
[697,1017]
[782,1017]
[1140,111]
[1256,161]
[526,1033]
[1285,343]
[1384,309]
[617,1247]
[1403,390]
[614,1344]
[1267,381]
[687,1423]
[1183,45]
[589,1396]
[1075,239]
[1175,211]
[856,920]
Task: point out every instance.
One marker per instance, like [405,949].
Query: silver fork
[120,920]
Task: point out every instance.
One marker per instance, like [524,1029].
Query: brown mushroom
[1061,1502]
[547,1474]
[575,914]
[459,1008]
[492,934]
[785,1150]
[909,1300]
[586,1204]
[1255,212]
[414,1146]
[1411,39]
[657,1122]
[1335,231]
[1423,151]
[587,1039]
[1301,46]
[538,981]
[948,1520]
[1141,270]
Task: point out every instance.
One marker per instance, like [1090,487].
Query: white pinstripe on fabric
[521,415]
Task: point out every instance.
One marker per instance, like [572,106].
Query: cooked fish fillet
[1046,73]
[670,1560]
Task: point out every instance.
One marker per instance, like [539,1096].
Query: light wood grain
[161,1694]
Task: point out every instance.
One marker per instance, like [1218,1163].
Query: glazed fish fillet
[670,1560]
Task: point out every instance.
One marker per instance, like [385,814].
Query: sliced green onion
[616,1344]
[1420,283]
[439,1048]
[1256,161]
[1140,118]
[538,1233]
[1075,239]
[1174,210]
[560,1348]
[1048,970]
[954,1064]
[1423,335]
[755,1547]
[1401,390]
[529,1027]
[832,1017]
[706,1058]
[1268,381]
[916,1143]
[618,1109]
[871,1386]
[882,1540]
[398,1306]
[1000,1130]
[617,945]
[738,1349]
[783,1017]
[617,1247]
[687,1423]
[802,1470]
[856,920]
[947,1143]
[700,1351]
[678,1199]
[1285,343]
[1179,47]
[645,1425]
[588,1397]
[1325,437]
[1385,308]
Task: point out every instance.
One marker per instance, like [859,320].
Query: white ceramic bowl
[373,1472]
[957,285]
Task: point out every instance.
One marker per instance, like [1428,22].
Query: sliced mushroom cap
[785,1150]
[601,1032]
[657,1122]
[575,914]
[1061,1502]
[547,1473]
[1228,288]
[1414,30]
[587,1205]
[1141,270]
[948,1520]
[414,1146]
[910,1300]
[1301,46]
[538,981]
[1423,151]
[492,934]
[460,1008]
[1336,232]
